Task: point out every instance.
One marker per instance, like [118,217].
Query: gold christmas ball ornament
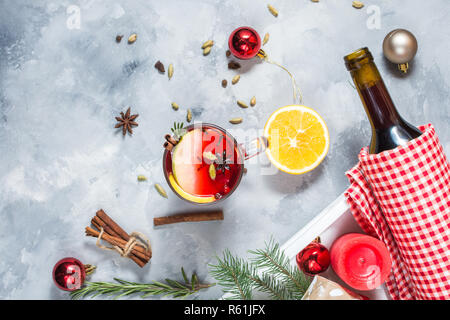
[400,47]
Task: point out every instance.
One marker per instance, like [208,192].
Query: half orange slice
[298,139]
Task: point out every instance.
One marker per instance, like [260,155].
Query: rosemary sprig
[178,130]
[122,288]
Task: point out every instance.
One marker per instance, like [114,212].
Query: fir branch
[270,285]
[122,288]
[270,272]
[273,261]
[233,274]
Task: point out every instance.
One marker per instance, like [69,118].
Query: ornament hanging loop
[296,90]
[261,54]
[245,43]
[89,269]
[403,67]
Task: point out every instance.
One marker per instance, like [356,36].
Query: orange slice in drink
[188,196]
[298,139]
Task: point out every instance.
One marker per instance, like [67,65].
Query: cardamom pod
[266,38]
[132,38]
[235,79]
[206,51]
[160,190]
[175,106]
[253,101]
[212,171]
[235,120]
[207,44]
[189,115]
[272,10]
[242,104]
[357,4]
[141,178]
[170,71]
[315,0]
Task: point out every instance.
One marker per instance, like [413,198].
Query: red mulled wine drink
[205,165]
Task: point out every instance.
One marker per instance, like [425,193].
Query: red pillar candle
[361,261]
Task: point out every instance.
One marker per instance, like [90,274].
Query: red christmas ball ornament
[244,43]
[313,259]
[69,274]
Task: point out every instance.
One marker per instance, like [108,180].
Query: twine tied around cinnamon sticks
[125,252]
[135,246]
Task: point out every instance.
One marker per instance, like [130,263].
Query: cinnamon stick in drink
[189,217]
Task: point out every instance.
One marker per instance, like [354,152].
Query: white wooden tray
[334,221]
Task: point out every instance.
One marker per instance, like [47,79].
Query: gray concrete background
[62,160]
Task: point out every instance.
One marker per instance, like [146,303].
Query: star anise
[223,163]
[126,122]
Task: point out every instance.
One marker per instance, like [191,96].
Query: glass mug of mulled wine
[204,164]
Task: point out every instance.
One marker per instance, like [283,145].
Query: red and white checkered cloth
[402,196]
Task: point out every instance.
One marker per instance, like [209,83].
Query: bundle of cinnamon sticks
[124,243]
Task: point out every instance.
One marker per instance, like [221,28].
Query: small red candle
[361,261]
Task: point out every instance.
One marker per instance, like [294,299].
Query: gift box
[324,289]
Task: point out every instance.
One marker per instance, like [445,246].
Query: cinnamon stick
[170,140]
[189,217]
[168,146]
[116,236]
[102,220]
[98,223]
[137,250]
[113,225]
[144,253]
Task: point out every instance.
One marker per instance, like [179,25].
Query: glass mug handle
[254,147]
